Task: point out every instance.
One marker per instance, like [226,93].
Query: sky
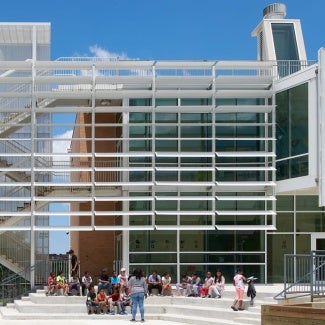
[158,30]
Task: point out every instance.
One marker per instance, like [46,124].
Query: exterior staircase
[186,310]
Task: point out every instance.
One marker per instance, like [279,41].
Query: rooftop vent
[275,11]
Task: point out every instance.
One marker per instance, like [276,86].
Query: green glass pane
[285,203]
[307,203]
[303,244]
[166,101]
[192,240]
[285,222]
[166,118]
[277,246]
[310,222]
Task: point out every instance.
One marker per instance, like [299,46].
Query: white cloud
[62,146]
[99,52]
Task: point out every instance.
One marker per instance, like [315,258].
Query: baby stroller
[251,292]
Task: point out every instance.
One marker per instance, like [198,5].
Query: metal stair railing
[304,275]
[14,249]
[18,285]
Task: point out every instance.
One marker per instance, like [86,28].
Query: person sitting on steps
[218,286]
[91,301]
[154,282]
[166,284]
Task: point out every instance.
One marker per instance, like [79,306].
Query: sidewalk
[125,321]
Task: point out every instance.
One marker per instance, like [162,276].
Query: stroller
[251,292]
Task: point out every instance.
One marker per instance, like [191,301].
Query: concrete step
[198,310]
[187,310]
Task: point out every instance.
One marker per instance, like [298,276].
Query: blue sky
[161,30]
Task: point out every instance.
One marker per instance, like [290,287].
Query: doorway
[317,241]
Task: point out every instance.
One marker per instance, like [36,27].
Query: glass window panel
[192,241]
[285,222]
[196,145]
[140,117]
[292,132]
[140,145]
[299,166]
[226,118]
[167,145]
[250,240]
[225,101]
[192,258]
[140,221]
[153,258]
[285,203]
[140,205]
[166,101]
[162,241]
[199,220]
[190,161]
[221,241]
[140,176]
[195,205]
[240,220]
[166,220]
[195,117]
[140,102]
[138,240]
[140,131]
[195,101]
[299,119]
[303,244]
[282,124]
[282,170]
[166,162]
[277,246]
[164,205]
[285,41]
[166,118]
[166,131]
[165,176]
[307,203]
[310,221]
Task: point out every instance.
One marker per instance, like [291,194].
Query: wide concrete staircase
[186,310]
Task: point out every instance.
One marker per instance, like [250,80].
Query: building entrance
[318,241]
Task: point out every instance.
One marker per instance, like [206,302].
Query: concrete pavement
[52,321]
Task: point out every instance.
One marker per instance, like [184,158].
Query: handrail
[17,285]
[310,283]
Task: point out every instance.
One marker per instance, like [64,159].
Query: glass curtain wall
[292,132]
[297,218]
[196,250]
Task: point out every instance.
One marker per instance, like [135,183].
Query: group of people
[121,290]
[127,291]
[193,286]
[58,284]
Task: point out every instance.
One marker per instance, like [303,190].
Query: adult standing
[74,262]
[139,287]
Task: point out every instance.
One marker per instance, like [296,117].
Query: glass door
[318,244]
[318,241]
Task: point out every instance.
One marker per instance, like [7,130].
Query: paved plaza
[84,322]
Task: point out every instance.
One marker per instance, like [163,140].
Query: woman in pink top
[238,282]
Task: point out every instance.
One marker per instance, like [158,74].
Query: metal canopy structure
[99,88]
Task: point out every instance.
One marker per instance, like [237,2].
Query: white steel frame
[94,86]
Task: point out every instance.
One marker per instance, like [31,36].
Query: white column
[321,125]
